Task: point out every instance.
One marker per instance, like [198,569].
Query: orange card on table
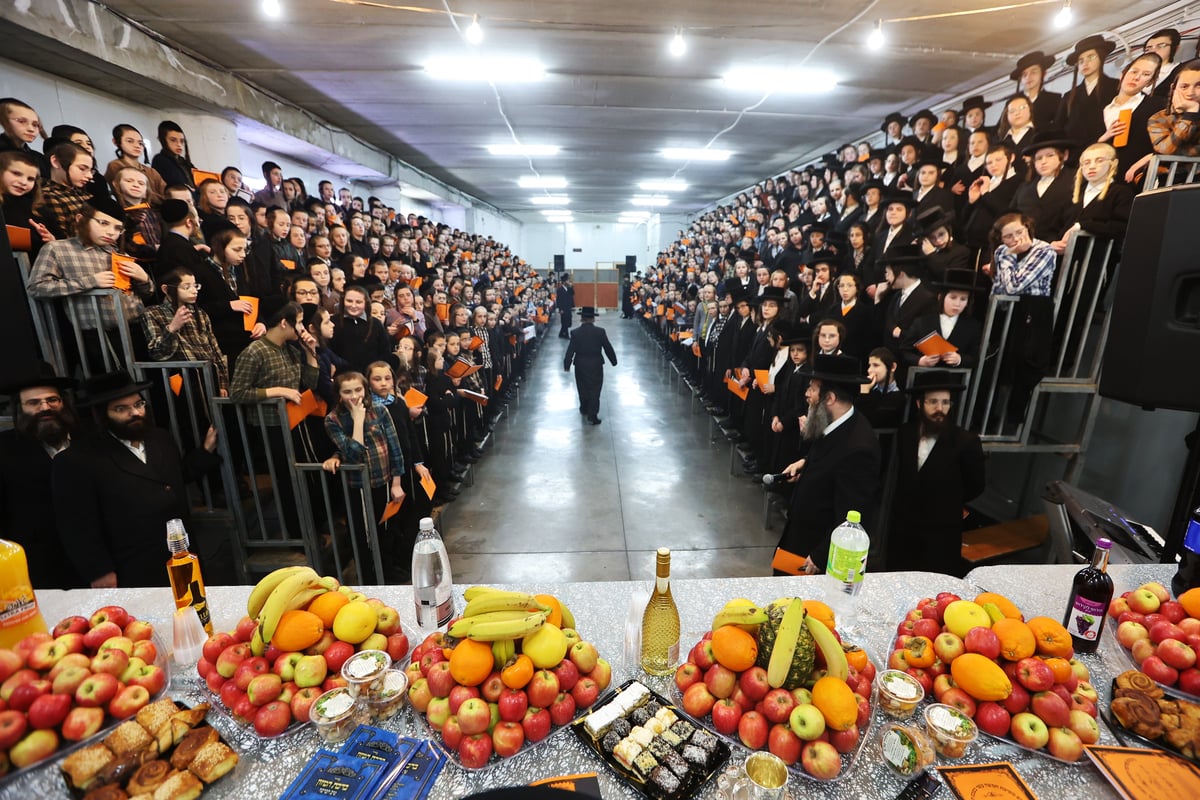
[122,281]
[428,485]
[390,510]
[762,376]
[288,264]
[251,319]
[741,391]
[1139,774]
[414,398]
[298,411]
[19,238]
[986,780]
[934,345]
[176,383]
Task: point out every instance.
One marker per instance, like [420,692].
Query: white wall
[603,241]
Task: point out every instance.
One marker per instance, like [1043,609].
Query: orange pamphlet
[415,283]
[647,315]
[288,264]
[443,311]
[461,369]
[998,780]
[19,238]
[1124,115]
[122,281]
[498,383]
[390,510]
[660,310]
[671,313]
[415,399]
[739,390]
[478,397]
[934,345]
[696,349]
[674,336]
[517,291]
[762,376]
[199,176]
[789,562]
[176,383]
[251,319]
[475,343]
[428,485]
[298,411]
[1140,774]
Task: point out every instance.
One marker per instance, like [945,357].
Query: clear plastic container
[905,749]
[391,697]
[899,693]
[364,672]
[336,714]
[950,729]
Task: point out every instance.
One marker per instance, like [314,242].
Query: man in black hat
[1030,75]
[1081,113]
[587,348]
[42,427]
[1165,44]
[940,469]
[895,230]
[921,124]
[733,345]
[892,129]
[973,114]
[115,492]
[564,303]
[907,298]
[839,470]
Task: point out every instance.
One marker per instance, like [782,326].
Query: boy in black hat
[1030,75]
[906,298]
[921,124]
[892,129]
[972,114]
[587,348]
[1165,44]
[1081,112]
[936,228]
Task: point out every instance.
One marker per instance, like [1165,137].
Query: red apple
[115,614]
[264,689]
[273,717]
[100,634]
[1085,727]
[439,711]
[337,654]
[725,716]
[1065,744]
[562,710]
[326,641]
[698,701]
[686,674]
[844,741]
[82,723]
[152,678]
[285,665]
[1158,670]
[922,677]
[1035,674]
[513,704]
[752,730]
[231,658]
[1028,730]
[742,699]
[821,760]
[543,688]
[474,716]
[929,628]
[721,681]
[492,687]
[452,734]
[75,624]
[1189,625]
[128,702]
[898,660]
[440,679]
[778,705]
[1189,681]
[459,695]
[754,683]
[250,669]
[948,647]
[36,746]
[429,658]
[702,655]
[602,674]
[942,684]
[585,692]
[302,702]
[216,644]
[584,655]
[567,674]
[397,646]
[993,718]
[507,738]
[1132,616]
[784,744]
[983,641]
[244,631]
[23,696]
[13,725]
[1051,709]
[1176,654]
[475,751]
[536,724]
[1117,607]
[961,700]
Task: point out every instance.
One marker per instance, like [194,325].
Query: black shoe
[595,420]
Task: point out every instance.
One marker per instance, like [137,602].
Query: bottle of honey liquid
[19,613]
[183,570]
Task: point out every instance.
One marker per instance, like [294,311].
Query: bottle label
[1191,537]
[21,606]
[200,602]
[1086,616]
[847,566]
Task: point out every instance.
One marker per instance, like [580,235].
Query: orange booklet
[478,397]
[288,264]
[1139,774]
[390,510]
[308,405]
[250,319]
[415,399]
[19,238]
[934,345]
[475,343]
[741,391]
[122,282]
[199,176]
[429,486]
[176,383]
[762,377]
[986,780]
[443,311]
[462,369]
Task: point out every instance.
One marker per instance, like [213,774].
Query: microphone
[780,477]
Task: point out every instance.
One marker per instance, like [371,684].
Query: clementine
[1016,639]
[1052,638]
[733,648]
[327,605]
[471,662]
[297,630]
[1007,607]
[820,611]
[555,615]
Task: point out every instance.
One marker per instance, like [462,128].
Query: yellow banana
[993,611]
[281,597]
[300,600]
[835,657]
[502,601]
[491,631]
[568,619]
[739,615]
[502,651]
[262,590]
[478,591]
[257,645]
[785,644]
[463,626]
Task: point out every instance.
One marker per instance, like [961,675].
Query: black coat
[27,511]
[229,326]
[1081,115]
[986,210]
[862,335]
[884,410]
[113,509]
[952,256]
[1045,108]
[360,341]
[1138,145]
[587,349]
[920,302]
[926,523]
[1107,216]
[965,336]
[1051,211]
[841,474]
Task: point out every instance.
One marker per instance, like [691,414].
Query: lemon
[354,622]
[545,647]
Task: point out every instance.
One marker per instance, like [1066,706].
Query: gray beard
[819,419]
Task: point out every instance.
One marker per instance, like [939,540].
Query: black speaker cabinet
[1153,352]
[631,262]
[560,263]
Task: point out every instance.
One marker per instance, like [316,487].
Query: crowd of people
[845,274]
[410,336]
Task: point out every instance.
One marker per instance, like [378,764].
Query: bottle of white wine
[660,622]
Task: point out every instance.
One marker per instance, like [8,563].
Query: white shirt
[904,293]
[975,162]
[1164,72]
[139,449]
[1089,84]
[1018,134]
[946,325]
[891,235]
[1091,192]
[52,451]
[1043,184]
[924,448]
[837,423]
[1113,109]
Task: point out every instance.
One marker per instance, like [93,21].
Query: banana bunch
[835,656]
[502,651]
[494,626]
[484,600]
[746,617]
[291,591]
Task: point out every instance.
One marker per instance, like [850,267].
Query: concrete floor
[557,499]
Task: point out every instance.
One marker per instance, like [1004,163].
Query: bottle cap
[853,516]
[426,523]
[1104,544]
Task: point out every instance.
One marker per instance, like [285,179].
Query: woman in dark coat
[989,196]
[174,162]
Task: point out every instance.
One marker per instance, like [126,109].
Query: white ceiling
[613,96]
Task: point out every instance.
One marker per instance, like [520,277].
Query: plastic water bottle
[848,547]
[431,578]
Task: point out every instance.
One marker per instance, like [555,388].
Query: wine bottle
[1091,593]
[660,622]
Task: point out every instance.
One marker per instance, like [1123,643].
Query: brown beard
[930,427]
[818,421]
[48,427]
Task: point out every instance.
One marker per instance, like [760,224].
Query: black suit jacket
[965,336]
[27,511]
[926,523]
[841,473]
[215,295]
[1081,117]
[1045,108]
[113,509]
[1107,216]
[920,302]
[1051,211]
[588,347]
[1138,144]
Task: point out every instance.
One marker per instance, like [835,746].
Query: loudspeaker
[630,262]
[1153,351]
[560,263]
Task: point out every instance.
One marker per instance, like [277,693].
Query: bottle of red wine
[1091,593]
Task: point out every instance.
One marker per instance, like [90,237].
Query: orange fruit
[733,648]
[1016,639]
[1060,667]
[919,652]
[327,605]
[297,630]
[555,615]
[517,673]
[1190,600]
[471,662]
[821,612]
[836,702]
[980,677]
[1007,607]
[1052,638]
[857,658]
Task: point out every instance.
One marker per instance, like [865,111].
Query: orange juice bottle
[19,613]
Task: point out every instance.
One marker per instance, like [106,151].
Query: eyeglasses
[123,409]
[53,401]
[307,293]
[1014,236]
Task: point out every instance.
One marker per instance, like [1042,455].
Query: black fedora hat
[878,152]
[106,205]
[931,219]
[936,380]
[587,312]
[35,373]
[930,158]
[818,227]
[773,293]
[799,333]
[841,369]
[963,280]
[109,386]
[824,257]
[924,113]
[1047,138]
[974,101]
[901,196]
[903,255]
[911,140]
[1094,42]
[1035,59]
[895,116]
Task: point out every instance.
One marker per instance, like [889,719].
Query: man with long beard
[115,492]
[42,428]
[940,470]
[839,470]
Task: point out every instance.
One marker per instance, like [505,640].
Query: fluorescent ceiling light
[668,185]
[695,154]
[486,68]
[272,8]
[782,81]
[474,32]
[550,200]
[523,149]
[555,212]
[542,182]
[636,214]
[650,200]
[678,46]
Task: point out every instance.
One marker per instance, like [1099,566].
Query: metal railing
[187,418]
[1170,171]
